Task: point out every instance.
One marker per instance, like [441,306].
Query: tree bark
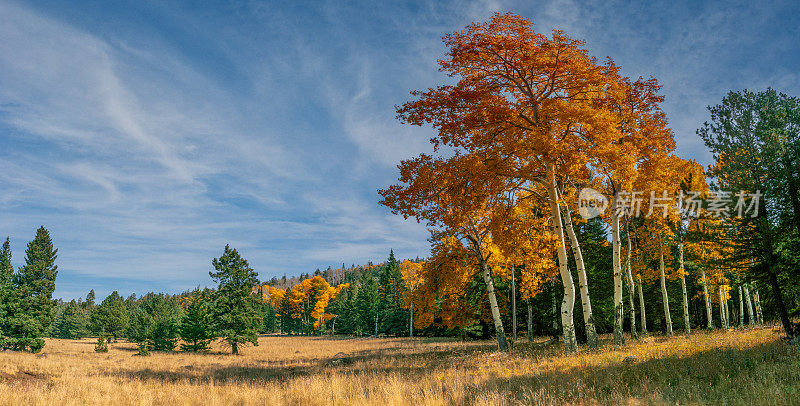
[554,331]
[411,320]
[727,309]
[664,297]
[641,307]
[592,340]
[568,304]
[771,260]
[502,344]
[709,318]
[513,303]
[759,312]
[235,348]
[750,315]
[741,307]
[722,318]
[777,292]
[686,323]
[631,283]
[619,337]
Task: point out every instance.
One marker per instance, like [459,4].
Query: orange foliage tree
[305,301]
[450,196]
[411,272]
[536,101]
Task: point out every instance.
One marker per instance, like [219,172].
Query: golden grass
[743,367]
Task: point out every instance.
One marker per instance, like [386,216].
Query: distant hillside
[334,276]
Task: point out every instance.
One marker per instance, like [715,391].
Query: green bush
[102,344]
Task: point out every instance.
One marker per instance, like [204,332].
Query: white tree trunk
[555,314]
[568,304]
[723,321]
[641,306]
[686,323]
[619,337]
[759,313]
[664,297]
[631,286]
[727,310]
[741,307]
[709,319]
[411,320]
[592,340]
[502,345]
[750,315]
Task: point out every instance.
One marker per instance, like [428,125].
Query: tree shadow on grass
[717,376]
[177,351]
[254,374]
[712,376]
[367,361]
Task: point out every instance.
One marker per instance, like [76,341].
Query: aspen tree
[539,102]
[631,282]
[454,201]
[750,315]
[741,307]
[644,137]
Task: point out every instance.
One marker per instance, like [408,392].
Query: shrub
[102,344]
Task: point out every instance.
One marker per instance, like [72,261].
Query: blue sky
[147,135]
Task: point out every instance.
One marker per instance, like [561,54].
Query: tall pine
[367,304]
[391,289]
[236,309]
[6,274]
[111,317]
[344,307]
[32,303]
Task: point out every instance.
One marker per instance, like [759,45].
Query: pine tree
[111,317]
[391,288]
[31,309]
[38,276]
[6,269]
[344,307]
[6,287]
[754,139]
[366,303]
[236,308]
[90,298]
[155,323]
[102,343]
[269,320]
[196,328]
[166,314]
[72,323]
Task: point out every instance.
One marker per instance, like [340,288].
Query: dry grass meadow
[753,367]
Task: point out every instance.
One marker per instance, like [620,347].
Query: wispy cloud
[144,168]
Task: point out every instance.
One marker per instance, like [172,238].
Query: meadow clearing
[755,367]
